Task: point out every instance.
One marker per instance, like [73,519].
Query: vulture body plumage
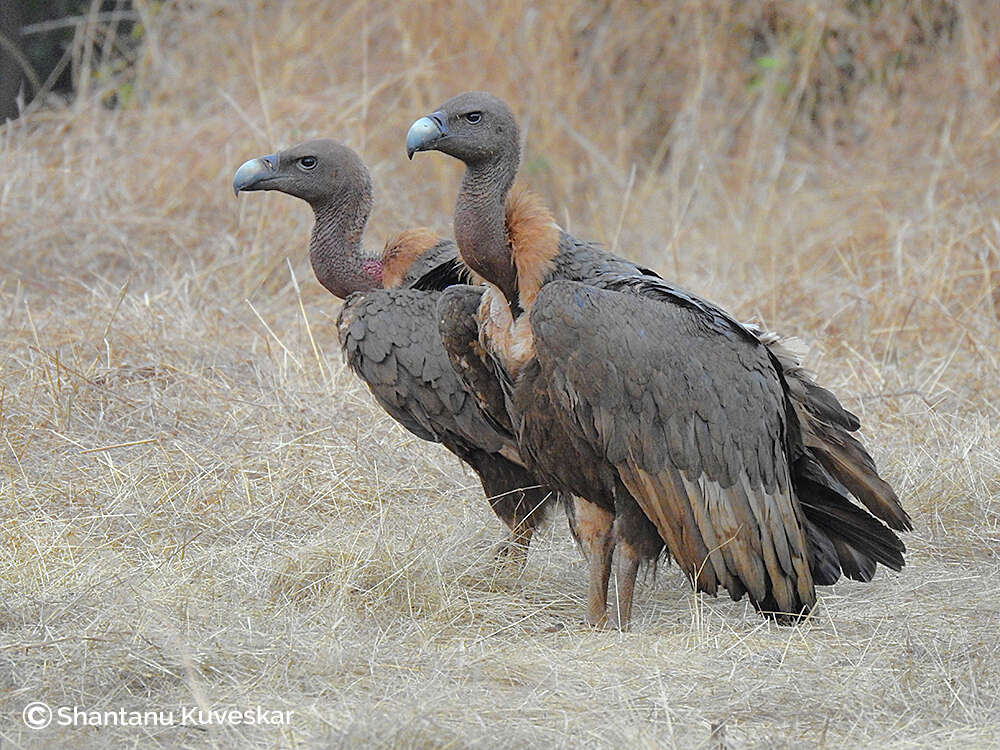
[672,422]
[388,324]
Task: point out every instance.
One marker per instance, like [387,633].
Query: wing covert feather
[459,335]
[390,339]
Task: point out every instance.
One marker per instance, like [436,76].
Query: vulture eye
[307,162]
[474,117]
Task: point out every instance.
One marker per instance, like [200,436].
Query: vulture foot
[601,623]
[512,553]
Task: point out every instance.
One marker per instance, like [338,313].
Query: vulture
[674,424]
[388,324]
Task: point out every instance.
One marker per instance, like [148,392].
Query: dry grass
[198,508]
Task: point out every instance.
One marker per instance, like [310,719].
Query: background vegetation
[200,506]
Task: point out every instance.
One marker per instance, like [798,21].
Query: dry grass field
[200,507]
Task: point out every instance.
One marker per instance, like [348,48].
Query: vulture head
[332,179]
[479,130]
[315,171]
[474,127]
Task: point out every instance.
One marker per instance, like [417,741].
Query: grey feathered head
[474,127]
[315,171]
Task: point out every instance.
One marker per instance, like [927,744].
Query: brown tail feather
[860,540]
[855,565]
[848,461]
[826,428]
[824,562]
[820,402]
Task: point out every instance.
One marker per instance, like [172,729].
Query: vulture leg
[593,529]
[636,540]
[512,552]
[516,498]
[522,510]
[600,574]
[628,569]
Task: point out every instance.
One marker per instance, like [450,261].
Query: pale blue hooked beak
[424,133]
[253,174]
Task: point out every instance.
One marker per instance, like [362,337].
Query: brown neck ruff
[402,251]
[533,239]
[534,242]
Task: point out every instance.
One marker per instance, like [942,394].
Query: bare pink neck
[335,250]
